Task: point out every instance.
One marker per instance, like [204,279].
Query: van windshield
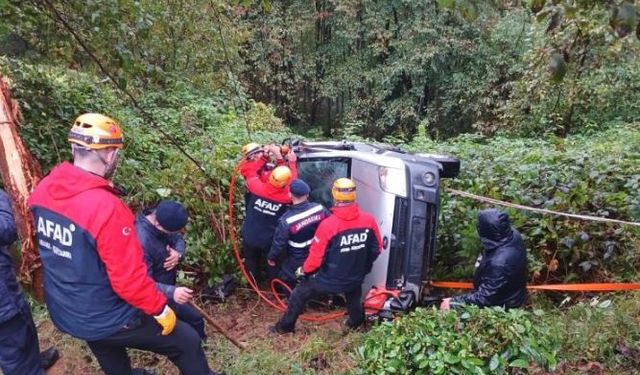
[320,173]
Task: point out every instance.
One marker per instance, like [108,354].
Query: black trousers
[19,349]
[182,347]
[190,316]
[255,261]
[311,288]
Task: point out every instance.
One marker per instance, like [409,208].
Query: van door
[381,204]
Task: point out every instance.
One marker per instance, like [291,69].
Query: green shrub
[205,124]
[596,175]
[470,341]
[604,329]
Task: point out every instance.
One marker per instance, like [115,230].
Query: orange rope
[592,287]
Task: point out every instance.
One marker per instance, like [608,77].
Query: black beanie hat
[171,215]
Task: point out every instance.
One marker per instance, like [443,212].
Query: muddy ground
[316,348]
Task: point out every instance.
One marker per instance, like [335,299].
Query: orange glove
[167,320]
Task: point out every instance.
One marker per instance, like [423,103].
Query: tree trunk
[20,173]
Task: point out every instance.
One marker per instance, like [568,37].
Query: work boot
[49,357]
[347,327]
[277,330]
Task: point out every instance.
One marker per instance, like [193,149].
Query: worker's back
[354,242]
[70,207]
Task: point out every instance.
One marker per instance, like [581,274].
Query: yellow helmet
[250,149]
[344,190]
[280,176]
[96,131]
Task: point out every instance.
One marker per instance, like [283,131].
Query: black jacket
[500,278]
[154,244]
[11,299]
[294,234]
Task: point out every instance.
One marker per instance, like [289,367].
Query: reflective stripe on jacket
[294,234]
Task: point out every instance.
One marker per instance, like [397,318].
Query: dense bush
[471,341]
[595,175]
[151,169]
[603,330]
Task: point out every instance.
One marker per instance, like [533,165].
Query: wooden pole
[20,173]
[215,325]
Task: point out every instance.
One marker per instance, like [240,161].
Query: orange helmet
[280,176]
[96,131]
[250,148]
[344,190]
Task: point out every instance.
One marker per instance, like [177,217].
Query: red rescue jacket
[264,204]
[95,277]
[344,248]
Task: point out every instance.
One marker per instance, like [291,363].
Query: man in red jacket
[342,253]
[265,202]
[95,279]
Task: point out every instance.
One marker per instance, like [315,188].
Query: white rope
[540,210]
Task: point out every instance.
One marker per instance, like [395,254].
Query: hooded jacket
[500,278]
[95,278]
[11,299]
[294,234]
[264,205]
[343,249]
[154,244]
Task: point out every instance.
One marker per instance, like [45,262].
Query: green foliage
[603,330]
[143,42]
[375,69]
[365,68]
[152,169]
[577,75]
[470,341]
[596,175]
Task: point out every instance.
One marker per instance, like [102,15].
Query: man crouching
[342,253]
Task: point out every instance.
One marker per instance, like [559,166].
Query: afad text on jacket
[344,248]
[265,204]
[95,278]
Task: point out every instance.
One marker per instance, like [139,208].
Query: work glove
[166,319]
[300,273]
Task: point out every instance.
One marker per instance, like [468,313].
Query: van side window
[320,173]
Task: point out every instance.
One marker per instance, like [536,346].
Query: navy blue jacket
[500,278]
[294,234]
[11,299]
[154,244]
[261,220]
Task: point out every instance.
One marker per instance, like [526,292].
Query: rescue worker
[256,157]
[295,231]
[500,278]
[95,279]
[341,254]
[19,348]
[265,204]
[163,245]
[255,160]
